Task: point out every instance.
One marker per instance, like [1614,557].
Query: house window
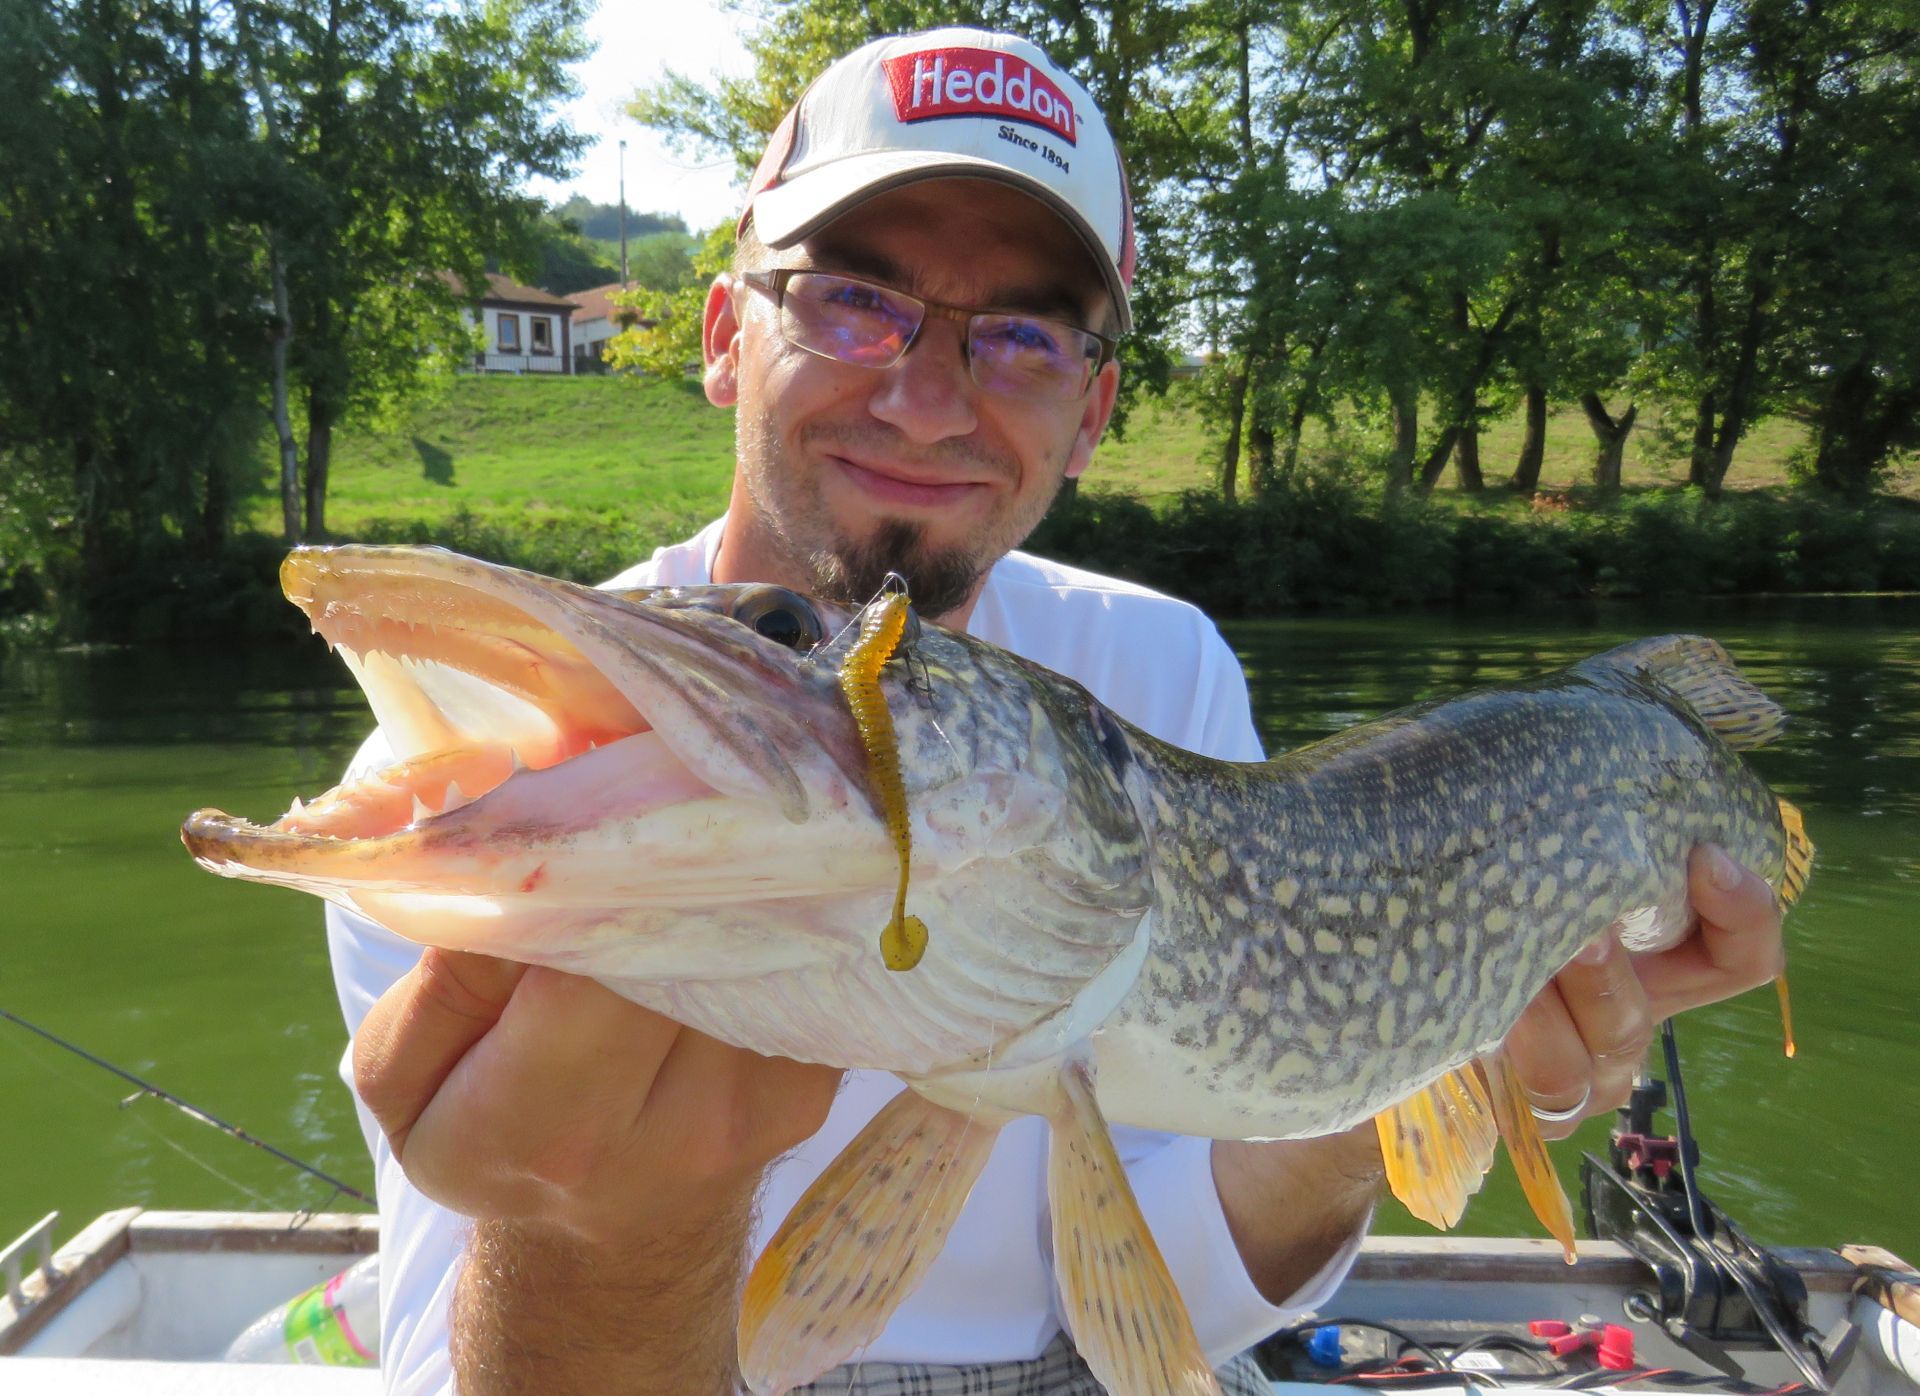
[509,334]
[542,329]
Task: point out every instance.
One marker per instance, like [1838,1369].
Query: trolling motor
[1715,1289]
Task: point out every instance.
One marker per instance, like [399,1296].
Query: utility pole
[623,215]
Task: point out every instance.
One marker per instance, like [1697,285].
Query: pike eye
[1113,741]
[779,615]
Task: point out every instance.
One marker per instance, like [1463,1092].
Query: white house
[596,319]
[527,330]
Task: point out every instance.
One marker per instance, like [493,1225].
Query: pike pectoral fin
[858,1241]
[1128,1319]
[1529,1151]
[1438,1144]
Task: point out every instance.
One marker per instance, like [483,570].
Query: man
[917,340]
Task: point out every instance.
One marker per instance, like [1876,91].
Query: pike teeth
[518,764]
[455,798]
[295,808]
[421,810]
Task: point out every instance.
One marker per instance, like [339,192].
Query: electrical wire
[1398,1372]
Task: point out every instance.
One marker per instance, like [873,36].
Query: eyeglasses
[856,322]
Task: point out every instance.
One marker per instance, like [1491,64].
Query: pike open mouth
[482,679]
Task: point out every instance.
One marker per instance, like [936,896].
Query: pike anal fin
[858,1241]
[1529,1151]
[1795,871]
[1438,1145]
[1128,1319]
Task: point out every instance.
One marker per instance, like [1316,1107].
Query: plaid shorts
[1059,1371]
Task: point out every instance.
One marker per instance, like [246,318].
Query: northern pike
[668,790]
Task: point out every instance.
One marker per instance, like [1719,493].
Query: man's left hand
[1582,1039]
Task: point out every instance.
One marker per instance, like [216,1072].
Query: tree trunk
[216,505]
[1230,453]
[1435,464]
[1260,455]
[282,314]
[1466,458]
[1406,436]
[1533,447]
[1740,393]
[1856,428]
[1700,458]
[282,421]
[321,416]
[1296,423]
[1612,437]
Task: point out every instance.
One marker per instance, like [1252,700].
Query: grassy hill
[635,462]
[529,447]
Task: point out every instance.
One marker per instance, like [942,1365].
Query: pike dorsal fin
[1128,1319]
[1702,673]
[858,1241]
[1438,1144]
[1529,1151]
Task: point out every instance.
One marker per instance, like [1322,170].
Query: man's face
[844,472]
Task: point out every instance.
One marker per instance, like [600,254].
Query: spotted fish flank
[669,790]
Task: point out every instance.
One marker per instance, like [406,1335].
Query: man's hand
[1579,1043]
[1291,1204]
[609,1155]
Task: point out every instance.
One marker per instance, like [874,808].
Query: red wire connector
[1612,1343]
[1615,1351]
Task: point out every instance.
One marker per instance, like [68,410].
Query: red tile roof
[597,304]
[511,292]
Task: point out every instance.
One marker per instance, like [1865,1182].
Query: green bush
[1316,541]
[1319,542]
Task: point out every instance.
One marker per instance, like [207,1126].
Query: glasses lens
[855,322]
[1025,357]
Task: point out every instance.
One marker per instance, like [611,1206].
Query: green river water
[219,992]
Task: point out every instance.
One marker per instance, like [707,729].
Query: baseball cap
[941,104]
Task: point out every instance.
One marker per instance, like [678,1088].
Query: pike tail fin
[858,1241]
[1702,673]
[1438,1144]
[1529,1152]
[1127,1317]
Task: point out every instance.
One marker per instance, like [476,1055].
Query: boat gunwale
[101,1244]
[1382,1259]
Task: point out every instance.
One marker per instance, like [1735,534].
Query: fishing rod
[191,1111]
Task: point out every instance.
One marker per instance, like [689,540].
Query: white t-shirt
[989,1296]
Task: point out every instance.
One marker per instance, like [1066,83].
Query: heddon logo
[977,82]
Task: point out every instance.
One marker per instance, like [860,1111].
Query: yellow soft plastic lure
[904,940]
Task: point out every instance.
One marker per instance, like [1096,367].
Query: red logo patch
[978,82]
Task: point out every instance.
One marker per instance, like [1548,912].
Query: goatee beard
[938,582]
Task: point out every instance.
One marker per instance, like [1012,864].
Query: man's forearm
[1292,1204]
[537,1311]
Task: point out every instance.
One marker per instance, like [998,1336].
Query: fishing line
[893,584]
[154,1130]
[191,1111]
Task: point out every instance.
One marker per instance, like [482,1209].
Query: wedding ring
[1560,1117]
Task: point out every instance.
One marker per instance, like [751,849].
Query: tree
[665,340]
[1850,361]
[410,128]
[133,353]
